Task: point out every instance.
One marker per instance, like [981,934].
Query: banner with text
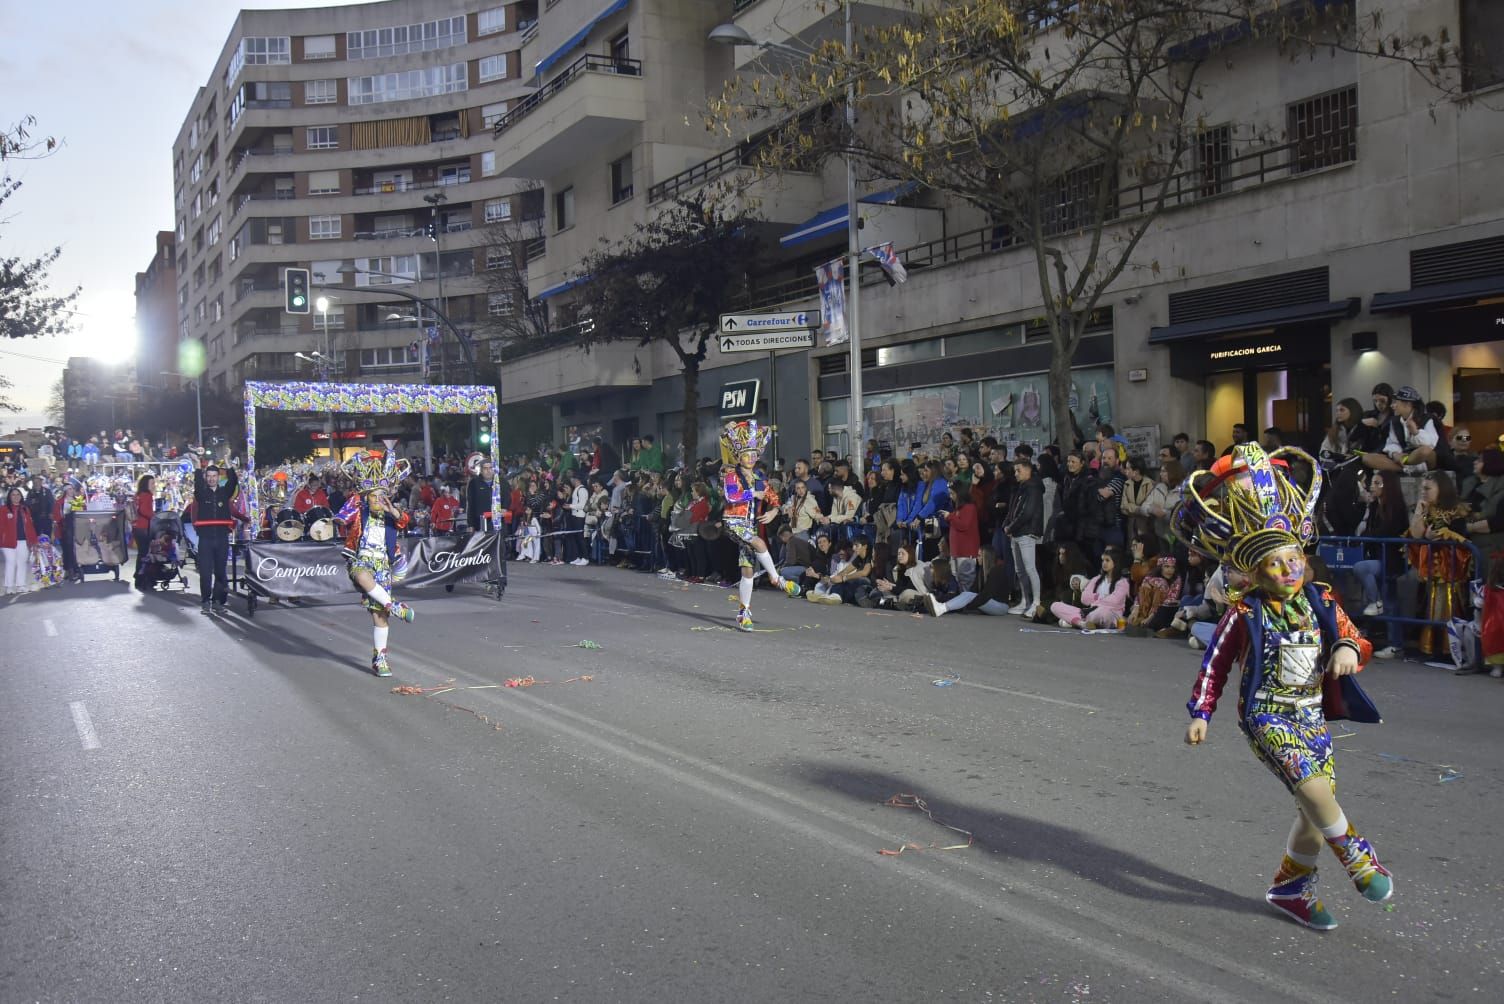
[314,570]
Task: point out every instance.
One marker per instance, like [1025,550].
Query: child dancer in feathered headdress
[370,522]
[742,444]
[1298,653]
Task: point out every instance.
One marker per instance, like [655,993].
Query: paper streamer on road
[908,801]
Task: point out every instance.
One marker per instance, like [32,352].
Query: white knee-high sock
[744,589]
[380,595]
[766,561]
[378,638]
[1337,829]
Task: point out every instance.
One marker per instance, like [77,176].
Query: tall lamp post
[434,201]
[731,33]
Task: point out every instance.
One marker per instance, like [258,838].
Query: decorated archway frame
[363,399]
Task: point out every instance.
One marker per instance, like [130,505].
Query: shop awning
[577,39]
[1231,324]
[1446,294]
[562,287]
[833,220]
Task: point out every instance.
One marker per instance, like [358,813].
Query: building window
[320,92]
[323,228]
[388,357]
[492,68]
[408,84]
[183,298]
[489,114]
[1070,201]
[488,163]
[495,258]
[564,209]
[323,138]
[318,47]
[491,20]
[499,304]
[440,34]
[216,229]
[1213,152]
[621,179]
[1482,44]
[258,52]
[323,182]
[620,48]
[455,174]
[498,210]
[217,312]
[1324,130]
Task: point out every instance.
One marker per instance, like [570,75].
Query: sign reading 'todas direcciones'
[751,324]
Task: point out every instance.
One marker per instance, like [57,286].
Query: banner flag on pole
[887,260]
[832,276]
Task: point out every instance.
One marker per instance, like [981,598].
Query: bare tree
[27,307]
[518,316]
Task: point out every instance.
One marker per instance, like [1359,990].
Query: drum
[318,523]
[289,525]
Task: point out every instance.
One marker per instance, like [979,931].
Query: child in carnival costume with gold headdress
[370,523]
[742,444]
[1298,652]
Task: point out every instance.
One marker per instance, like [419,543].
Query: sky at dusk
[112,81]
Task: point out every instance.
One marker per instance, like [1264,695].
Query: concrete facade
[1419,173]
[157,315]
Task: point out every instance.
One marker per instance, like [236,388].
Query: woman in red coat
[17,537]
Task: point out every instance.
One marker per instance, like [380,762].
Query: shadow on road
[1020,838]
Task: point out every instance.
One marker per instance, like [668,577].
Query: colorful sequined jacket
[353,518]
[1240,640]
[742,496]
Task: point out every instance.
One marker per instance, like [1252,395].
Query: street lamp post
[322,303]
[731,33]
[434,201]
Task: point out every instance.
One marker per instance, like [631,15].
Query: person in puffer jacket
[1104,599]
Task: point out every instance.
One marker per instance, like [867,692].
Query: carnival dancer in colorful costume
[370,523]
[742,444]
[1298,653]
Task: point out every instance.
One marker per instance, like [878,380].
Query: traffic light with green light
[484,438]
[297,291]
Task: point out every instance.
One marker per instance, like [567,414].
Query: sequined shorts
[1292,742]
[376,563]
[744,532]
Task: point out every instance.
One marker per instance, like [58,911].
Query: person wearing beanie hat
[1298,652]
[1412,443]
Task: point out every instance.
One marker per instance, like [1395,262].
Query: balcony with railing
[589,104]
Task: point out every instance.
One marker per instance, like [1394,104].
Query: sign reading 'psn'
[739,399]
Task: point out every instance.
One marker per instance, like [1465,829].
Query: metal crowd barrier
[1344,553]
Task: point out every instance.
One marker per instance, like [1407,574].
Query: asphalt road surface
[198,809]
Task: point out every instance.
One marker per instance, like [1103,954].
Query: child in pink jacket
[1104,598]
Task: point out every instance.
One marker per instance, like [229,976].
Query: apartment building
[354,141]
[157,315]
[1338,227]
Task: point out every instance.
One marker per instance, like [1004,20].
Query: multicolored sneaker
[1369,877]
[791,589]
[378,663]
[744,619]
[1297,900]
[403,611]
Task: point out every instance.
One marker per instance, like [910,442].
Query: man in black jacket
[1080,518]
[1025,526]
[213,520]
[478,497]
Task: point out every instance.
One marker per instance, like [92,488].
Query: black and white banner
[314,570]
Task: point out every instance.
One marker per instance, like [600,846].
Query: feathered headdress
[1250,504]
[744,437]
[373,472]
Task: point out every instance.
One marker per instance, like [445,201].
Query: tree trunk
[1064,349]
[690,438]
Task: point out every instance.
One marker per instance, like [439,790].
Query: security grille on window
[498,210]
[1324,130]
[499,304]
[621,179]
[375,90]
[320,92]
[492,68]
[489,114]
[323,182]
[318,47]
[323,228]
[1213,152]
[440,34]
[564,209]
[1070,202]
[495,258]
[323,138]
[491,20]
[1482,44]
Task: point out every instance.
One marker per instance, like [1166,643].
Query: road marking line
[86,734]
[49,627]
[663,759]
[1019,693]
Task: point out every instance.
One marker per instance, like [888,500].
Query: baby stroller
[163,565]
